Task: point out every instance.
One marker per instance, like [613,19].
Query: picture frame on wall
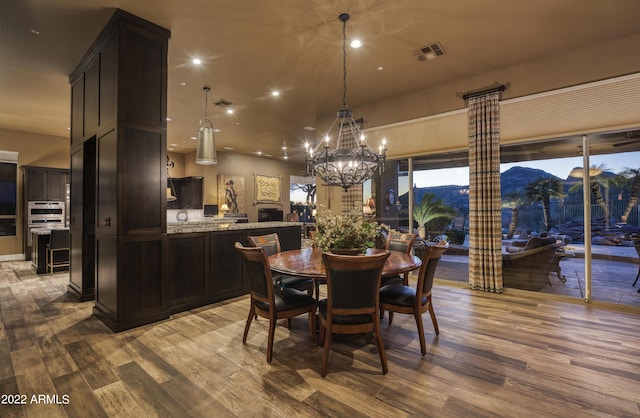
[268,189]
[231,191]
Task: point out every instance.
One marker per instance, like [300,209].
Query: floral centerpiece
[353,231]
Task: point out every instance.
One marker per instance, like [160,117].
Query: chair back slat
[353,282]
[427,272]
[397,241]
[256,265]
[270,243]
[59,239]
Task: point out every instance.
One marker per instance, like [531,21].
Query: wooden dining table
[307,262]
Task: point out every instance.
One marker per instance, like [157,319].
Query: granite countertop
[207,226]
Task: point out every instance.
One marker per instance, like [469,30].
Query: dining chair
[402,242]
[415,301]
[271,245]
[351,306]
[270,302]
[57,254]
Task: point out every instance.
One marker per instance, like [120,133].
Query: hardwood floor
[514,354]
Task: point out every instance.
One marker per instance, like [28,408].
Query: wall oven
[44,215]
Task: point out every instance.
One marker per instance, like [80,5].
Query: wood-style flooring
[516,354]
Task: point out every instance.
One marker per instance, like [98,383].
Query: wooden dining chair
[270,302]
[402,242]
[351,306]
[415,301]
[271,245]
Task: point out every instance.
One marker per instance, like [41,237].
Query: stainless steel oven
[45,215]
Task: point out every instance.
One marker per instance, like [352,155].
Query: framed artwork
[268,189]
[231,192]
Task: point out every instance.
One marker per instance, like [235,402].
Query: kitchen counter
[222,225]
[204,267]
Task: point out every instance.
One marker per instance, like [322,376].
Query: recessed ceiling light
[35,31]
[229,148]
[196,61]
[168,119]
[275,93]
[216,130]
[194,138]
[380,68]
[284,148]
[309,128]
[356,43]
[259,152]
[170,149]
[268,155]
[230,111]
[174,145]
[183,84]
[286,157]
[68,128]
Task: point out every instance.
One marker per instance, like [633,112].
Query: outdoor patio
[614,270]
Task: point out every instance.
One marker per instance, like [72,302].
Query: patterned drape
[485,235]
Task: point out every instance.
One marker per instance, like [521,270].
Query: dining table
[307,262]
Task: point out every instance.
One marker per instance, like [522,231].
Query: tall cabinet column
[118,175]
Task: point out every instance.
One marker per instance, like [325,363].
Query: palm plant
[630,177]
[596,182]
[543,189]
[431,208]
[513,201]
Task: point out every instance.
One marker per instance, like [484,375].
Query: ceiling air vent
[429,52]
[223,103]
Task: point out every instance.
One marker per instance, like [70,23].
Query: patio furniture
[528,267]
[636,243]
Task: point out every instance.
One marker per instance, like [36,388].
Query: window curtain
[485,234]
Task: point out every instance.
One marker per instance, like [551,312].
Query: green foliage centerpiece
[352,232]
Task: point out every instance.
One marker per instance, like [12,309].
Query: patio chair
[636,243]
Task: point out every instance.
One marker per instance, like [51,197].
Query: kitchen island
[202,265]
[39,241]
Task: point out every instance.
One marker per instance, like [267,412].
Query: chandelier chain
[344,63]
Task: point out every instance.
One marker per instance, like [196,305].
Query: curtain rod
[501,87]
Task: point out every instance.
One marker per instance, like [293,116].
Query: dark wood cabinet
[119,92]
[204,267]
[43,184]
[228,279]
[187,271]
[188,191]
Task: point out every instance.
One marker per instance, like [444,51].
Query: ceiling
[251,47]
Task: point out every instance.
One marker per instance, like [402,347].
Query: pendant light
[352,161]
[206,151]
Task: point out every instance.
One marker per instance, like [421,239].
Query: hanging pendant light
[352,161]
[206,151]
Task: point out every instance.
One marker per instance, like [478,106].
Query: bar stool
[58,243]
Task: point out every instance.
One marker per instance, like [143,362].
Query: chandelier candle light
[352,161]
[206,151]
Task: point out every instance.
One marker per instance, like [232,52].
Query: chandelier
[206,151]
[352,161]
